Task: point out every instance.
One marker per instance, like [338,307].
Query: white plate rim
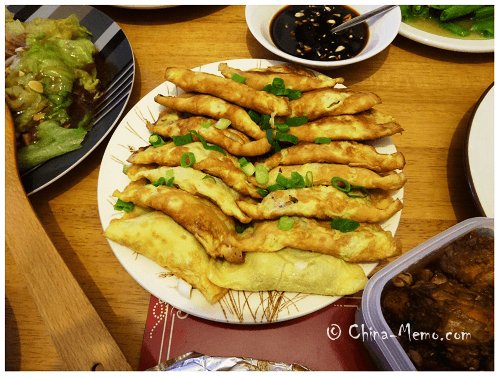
[480,148]
[146,272]
[451,44]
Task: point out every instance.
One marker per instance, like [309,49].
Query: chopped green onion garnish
[123,206]
[267,88]
[125,168]
[262,192]
[261,174]
[346,186]
[294,94]
[271,140]
[296,121]
[188,156]
[286,223]
[282,183]
[281,136]
[159,182]
[182,140]
[169,174]
[239,78]
[278,82]
[205,145]
[248,168]
[205,124]
[364,192]
[344,225]
[222,123]
[309,179]
[255,116]
[265,121]
[170,182]
[282,127]
[209,177]
[322,140]
[156,140]
[243,161]
[275,187]
[278,89]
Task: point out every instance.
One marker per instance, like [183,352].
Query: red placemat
[311,341]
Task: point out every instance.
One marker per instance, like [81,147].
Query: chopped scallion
[261,174]
[205,145]
[309,179]
[243,161]
[358,192]
[248,169]
[209,177]
[262,192]
[120,205]
[271,140]
[322,140]
[344,225]
[125,168]
[222,123]
[294,94]
[296,121]
[346,187]
[281,136]
[286,223]
[265,121]
[182,140]
[169,176]
[188,159]
[206,124]
[255,116]
[156,140]
[278,82]
[170,182]
[282,127]
[159,182]
[239,78]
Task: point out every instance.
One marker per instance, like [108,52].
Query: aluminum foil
[195,362]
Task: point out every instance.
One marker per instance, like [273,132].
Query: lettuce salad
[51,87]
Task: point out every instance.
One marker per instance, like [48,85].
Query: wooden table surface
[430,92]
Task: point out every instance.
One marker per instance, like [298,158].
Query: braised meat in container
[442,311]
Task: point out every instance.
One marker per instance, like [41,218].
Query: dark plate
[114,47]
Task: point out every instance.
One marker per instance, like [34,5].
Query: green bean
[455,29]
[456,11]
[485,11]
[440,7]
[405,12]
[486,26]
[420,10]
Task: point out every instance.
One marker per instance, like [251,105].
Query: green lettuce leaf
[54,141]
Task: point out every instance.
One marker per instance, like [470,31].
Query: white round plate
[480,153]
[237,307]
[452,44]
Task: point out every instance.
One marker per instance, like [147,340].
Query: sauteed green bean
[460,20]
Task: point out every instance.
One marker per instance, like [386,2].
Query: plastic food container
[373,330]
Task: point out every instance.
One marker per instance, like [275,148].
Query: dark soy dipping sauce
[304,32]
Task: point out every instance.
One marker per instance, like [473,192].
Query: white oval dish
[382,28]
[445,43]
